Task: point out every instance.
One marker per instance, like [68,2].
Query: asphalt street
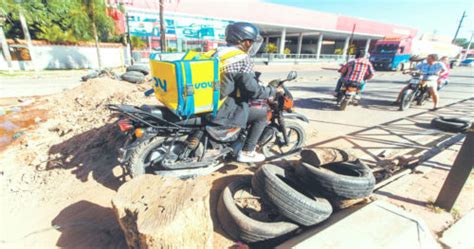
[375,126]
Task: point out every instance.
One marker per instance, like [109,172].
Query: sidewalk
[416,192]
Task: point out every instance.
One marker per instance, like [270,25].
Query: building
[192,24]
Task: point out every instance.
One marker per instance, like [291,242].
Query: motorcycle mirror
[291,76]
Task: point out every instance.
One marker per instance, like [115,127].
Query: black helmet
[240,31]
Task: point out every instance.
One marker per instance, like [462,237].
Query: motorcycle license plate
[351,91]
[414,81]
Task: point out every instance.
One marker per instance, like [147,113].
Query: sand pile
[76,133]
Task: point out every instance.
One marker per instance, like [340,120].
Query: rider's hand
[280,91]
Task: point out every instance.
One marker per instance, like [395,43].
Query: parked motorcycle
[160,142]
[346,95]
[417,91]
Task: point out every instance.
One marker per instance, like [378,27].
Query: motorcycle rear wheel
[296,139]
[344,104]
[151,150]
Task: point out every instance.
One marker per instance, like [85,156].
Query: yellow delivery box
[188,86]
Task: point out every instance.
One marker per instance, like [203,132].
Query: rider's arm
[255,90]
[370,72]
[249,85]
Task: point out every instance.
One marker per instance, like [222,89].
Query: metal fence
[314,57]
[142,57]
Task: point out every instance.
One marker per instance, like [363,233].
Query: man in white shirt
[430,70]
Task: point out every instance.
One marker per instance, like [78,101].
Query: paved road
[375,126]
[28,86]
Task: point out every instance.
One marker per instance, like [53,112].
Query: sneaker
[250,157]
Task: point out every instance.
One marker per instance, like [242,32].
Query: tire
[136,162]
[291,127]
[451,124]
[133,77]
[283,191]
[422,97]
[344,104]
[258,183]
[347,180]
[339,97]
[240,226]
[406,99]
[92,75]
[139,68]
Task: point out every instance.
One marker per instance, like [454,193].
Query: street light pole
[162,28]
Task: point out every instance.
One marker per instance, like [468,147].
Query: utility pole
[162,28]
[350,42]
[459,26]
[29,44]
[91,10]
[468,46]
[4,43]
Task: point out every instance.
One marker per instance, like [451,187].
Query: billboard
[180,27]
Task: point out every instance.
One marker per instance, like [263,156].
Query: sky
[437,16]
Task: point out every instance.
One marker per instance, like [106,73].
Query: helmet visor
[255,46]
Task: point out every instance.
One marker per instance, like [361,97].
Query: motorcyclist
[359,70]
[239,86]
[431,69]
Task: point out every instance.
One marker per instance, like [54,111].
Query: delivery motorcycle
[417,91]
[160,142]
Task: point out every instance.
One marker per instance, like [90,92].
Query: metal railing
[322,57]
[142,57]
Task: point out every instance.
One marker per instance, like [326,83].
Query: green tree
[463,42]
[271,48]
[60,20]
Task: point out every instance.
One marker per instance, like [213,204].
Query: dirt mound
[76,133]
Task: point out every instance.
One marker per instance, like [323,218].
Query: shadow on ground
[93,152]
[407,136]
[88,225]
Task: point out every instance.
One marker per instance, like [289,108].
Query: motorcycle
[417,91]
[346,95]
[159,142]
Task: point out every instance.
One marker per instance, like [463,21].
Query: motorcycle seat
[166,114]
[223,134]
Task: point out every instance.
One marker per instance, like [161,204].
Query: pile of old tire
[302,196]
[280,190]
[339,178]
[451,124]
[135,74]
[237,222]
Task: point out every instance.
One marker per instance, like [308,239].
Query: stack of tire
[135,74]
[302,195]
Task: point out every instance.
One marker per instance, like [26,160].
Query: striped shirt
[358,70]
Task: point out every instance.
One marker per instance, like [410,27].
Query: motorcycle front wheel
[296,138]
[406,99]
